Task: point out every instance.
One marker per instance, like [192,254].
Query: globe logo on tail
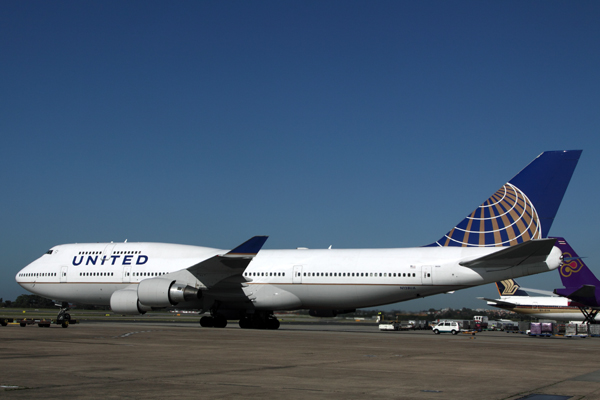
[508,217]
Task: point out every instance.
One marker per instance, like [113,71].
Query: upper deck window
[49,251]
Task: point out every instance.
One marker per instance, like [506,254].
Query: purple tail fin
[573,271]
[581,285]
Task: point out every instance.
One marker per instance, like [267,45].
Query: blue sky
[352,124]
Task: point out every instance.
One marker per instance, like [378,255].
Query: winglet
[248,249]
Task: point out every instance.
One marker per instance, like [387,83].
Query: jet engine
[165,293]
[125,301]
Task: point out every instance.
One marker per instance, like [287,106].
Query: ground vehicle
[447,326]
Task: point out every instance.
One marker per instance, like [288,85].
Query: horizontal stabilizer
[499,303]
[530,252]
[584,294]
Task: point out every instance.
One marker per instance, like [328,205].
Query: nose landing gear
[64,318]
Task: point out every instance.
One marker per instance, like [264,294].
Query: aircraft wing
[529,252]
[226,269]
[232,264]
[499,303]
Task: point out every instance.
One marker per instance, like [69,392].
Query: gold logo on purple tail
[572,267]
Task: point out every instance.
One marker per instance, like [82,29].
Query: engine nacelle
[159,292]
[125,301]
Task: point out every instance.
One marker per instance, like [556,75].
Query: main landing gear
[259,320]
[218,321]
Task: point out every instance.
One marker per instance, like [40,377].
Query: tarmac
[182,360]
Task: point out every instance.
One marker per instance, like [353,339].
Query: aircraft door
[426,278]
[63,274]
[297,274]
[126,274]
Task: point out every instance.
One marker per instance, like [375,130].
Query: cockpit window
[49,251]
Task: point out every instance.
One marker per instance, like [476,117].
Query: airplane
[515,298]
[582,287]
[573,273]
[505,237]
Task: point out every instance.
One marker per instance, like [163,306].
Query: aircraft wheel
[245,323]
[273,323]
[219,321]
[65,324]
[207,322]
[436,331]
[4,322]
[258,323]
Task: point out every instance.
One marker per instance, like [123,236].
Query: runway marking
[10,387]
[130,333]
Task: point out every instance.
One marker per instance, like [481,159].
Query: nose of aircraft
[26,274]
[21,276]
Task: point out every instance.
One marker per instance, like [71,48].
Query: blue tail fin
[510,287]
[522,209]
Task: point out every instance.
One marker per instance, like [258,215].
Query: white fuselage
[546,307]
[276,279]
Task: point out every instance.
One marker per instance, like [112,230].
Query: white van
[447,326]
